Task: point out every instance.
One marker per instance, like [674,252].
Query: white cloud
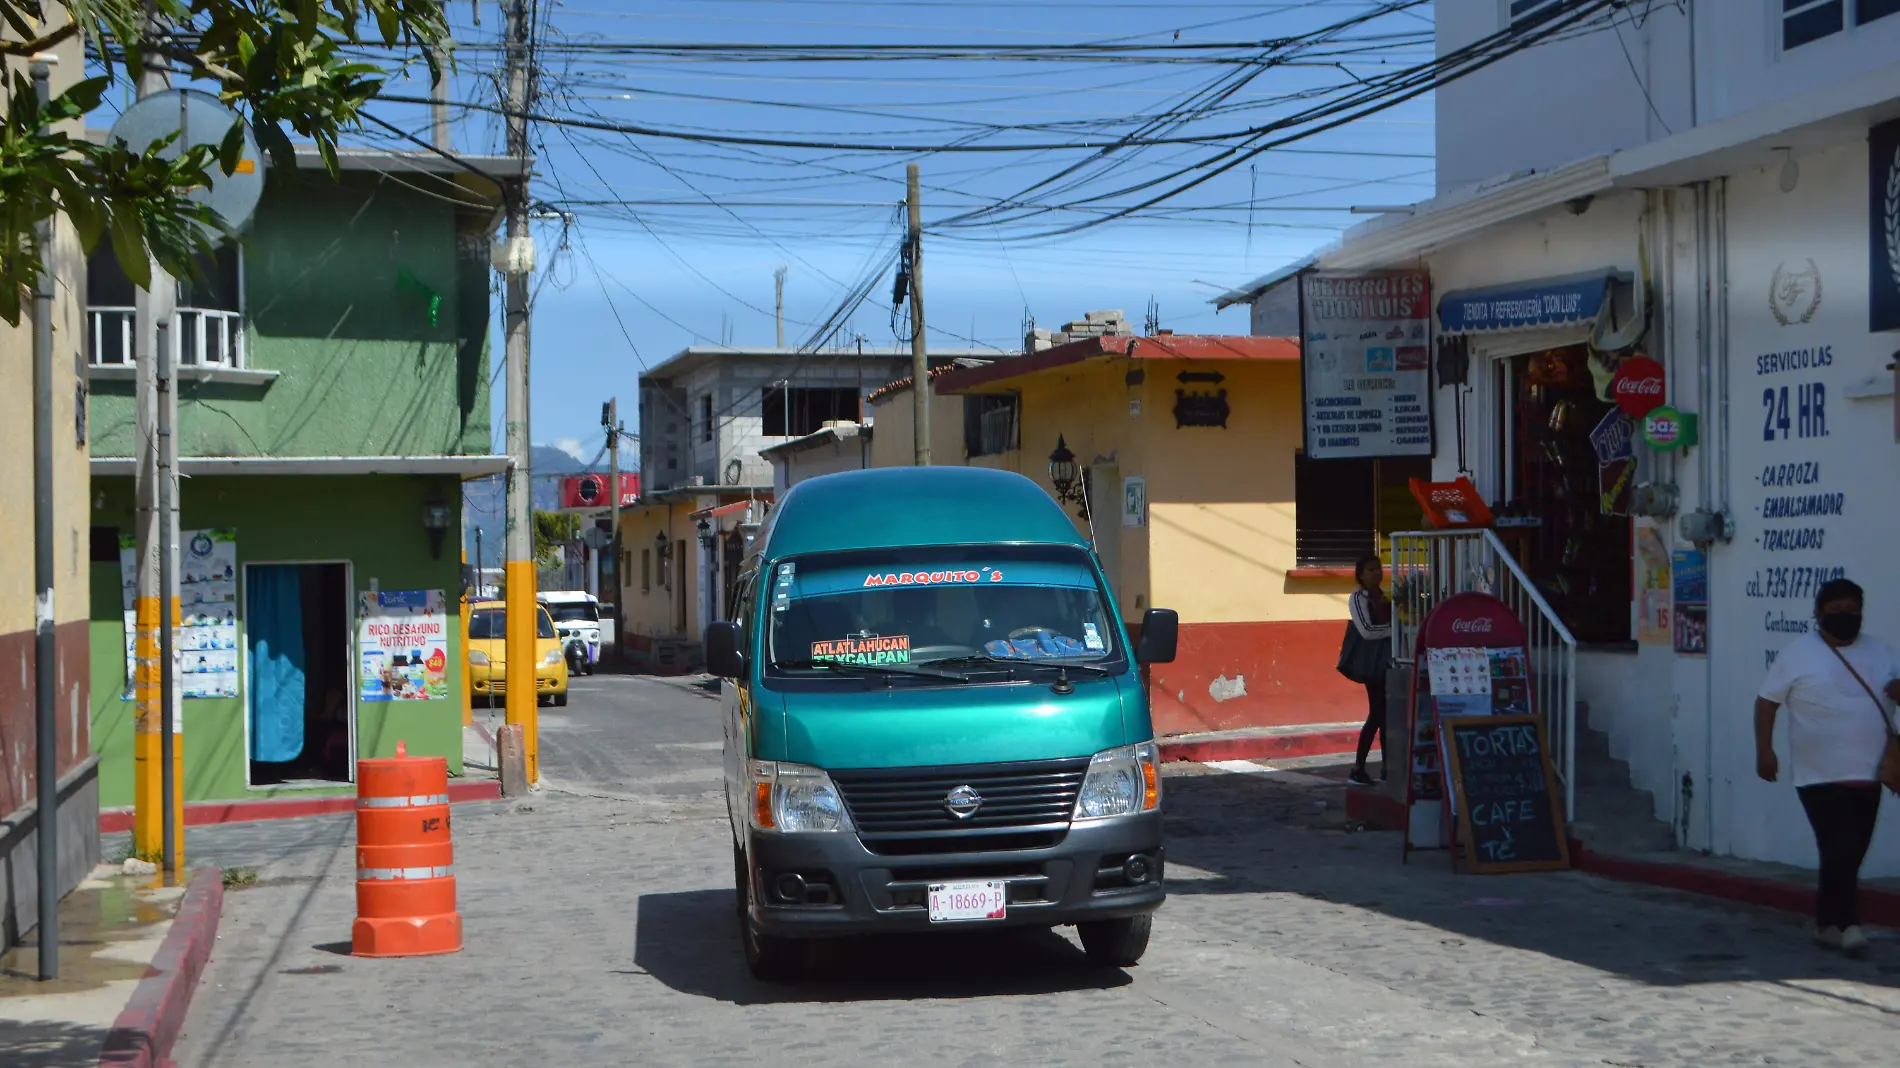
[570,446]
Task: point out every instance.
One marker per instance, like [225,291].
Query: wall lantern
[705,534]
[1062,473]
[435,520]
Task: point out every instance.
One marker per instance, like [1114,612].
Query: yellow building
[73,551]
[1187,463]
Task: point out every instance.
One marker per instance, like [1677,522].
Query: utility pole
[610,418]
[45,648]
[173,829]
[154,305]
[778,303]
[439,97]
[919,364]
[518,264]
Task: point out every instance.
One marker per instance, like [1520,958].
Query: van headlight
[551,658]
[1120,782]
[476,656]
[795,799]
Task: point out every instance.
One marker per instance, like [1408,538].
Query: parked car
[576,618]
[488,655]
[935,720]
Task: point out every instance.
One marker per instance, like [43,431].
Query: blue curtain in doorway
[274,630]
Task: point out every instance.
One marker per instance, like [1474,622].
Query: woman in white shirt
[1372,617]
[1837,731]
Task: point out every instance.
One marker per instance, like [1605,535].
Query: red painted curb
[143,1034]
[1256,746]
[204,813]
[1876,906]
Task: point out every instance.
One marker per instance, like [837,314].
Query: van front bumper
[1082,877]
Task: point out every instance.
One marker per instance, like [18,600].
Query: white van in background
[576,615]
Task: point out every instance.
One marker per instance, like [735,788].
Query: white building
[1732,166]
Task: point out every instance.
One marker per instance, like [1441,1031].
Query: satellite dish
[204,120]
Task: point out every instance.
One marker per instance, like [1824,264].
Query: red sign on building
[589,492]
[1638,386]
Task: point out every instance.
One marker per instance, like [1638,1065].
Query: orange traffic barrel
[405,862]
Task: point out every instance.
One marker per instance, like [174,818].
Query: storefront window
[1570,535]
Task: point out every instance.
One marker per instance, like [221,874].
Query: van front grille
[912,803]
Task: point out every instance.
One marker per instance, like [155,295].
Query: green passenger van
[935,720]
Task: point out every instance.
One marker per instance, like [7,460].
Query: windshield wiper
[1014,661]
[842,667]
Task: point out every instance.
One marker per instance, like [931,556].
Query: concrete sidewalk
[130,954]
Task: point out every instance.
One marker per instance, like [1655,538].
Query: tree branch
[40,44]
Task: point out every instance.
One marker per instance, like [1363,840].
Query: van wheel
[560,700]
[1116,943]
[768,957]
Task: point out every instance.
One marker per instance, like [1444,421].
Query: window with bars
[207,327]
[793,412]
[1806,21]
[1335,515]
[1527,13]
[992,423]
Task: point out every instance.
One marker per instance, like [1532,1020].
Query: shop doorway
[1561,510]
[297,638]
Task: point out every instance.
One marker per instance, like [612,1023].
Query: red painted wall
[71,645]
[1289,669]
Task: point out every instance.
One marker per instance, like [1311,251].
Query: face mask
[1841,626]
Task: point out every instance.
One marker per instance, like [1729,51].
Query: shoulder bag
[1361,659]
[1888,774]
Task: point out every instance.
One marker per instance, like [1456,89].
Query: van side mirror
[1160,631]
[723,657]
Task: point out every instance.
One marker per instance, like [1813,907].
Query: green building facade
[333,394]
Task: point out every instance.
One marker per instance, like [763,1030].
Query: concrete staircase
[1613,816]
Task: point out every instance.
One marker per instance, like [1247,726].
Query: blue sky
[668,242]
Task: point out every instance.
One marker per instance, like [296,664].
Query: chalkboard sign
[1505,794]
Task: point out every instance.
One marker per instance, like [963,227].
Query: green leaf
[231,152]
[273,140]
[128,243]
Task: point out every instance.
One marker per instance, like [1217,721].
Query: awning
[1549,302]
[722,510]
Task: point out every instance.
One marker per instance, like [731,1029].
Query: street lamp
[705,534]
[1062,474]
[435,520]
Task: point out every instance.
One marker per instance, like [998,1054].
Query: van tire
[769,958]
[560,700]
[1116,943]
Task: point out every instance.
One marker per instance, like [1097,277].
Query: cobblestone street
[599,918]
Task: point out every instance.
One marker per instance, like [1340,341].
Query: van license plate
[968,901]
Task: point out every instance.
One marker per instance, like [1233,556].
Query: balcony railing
[201,337]
[1429,566]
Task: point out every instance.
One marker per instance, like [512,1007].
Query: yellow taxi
[488,655]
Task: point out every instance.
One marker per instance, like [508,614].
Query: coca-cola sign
[1638,386]
[1479,625]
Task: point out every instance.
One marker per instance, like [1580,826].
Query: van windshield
[916,607]
[491,624]
[574,612]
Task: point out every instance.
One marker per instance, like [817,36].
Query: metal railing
[202,337]
[1429,566]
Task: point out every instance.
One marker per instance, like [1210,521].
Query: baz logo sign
[1883,163]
